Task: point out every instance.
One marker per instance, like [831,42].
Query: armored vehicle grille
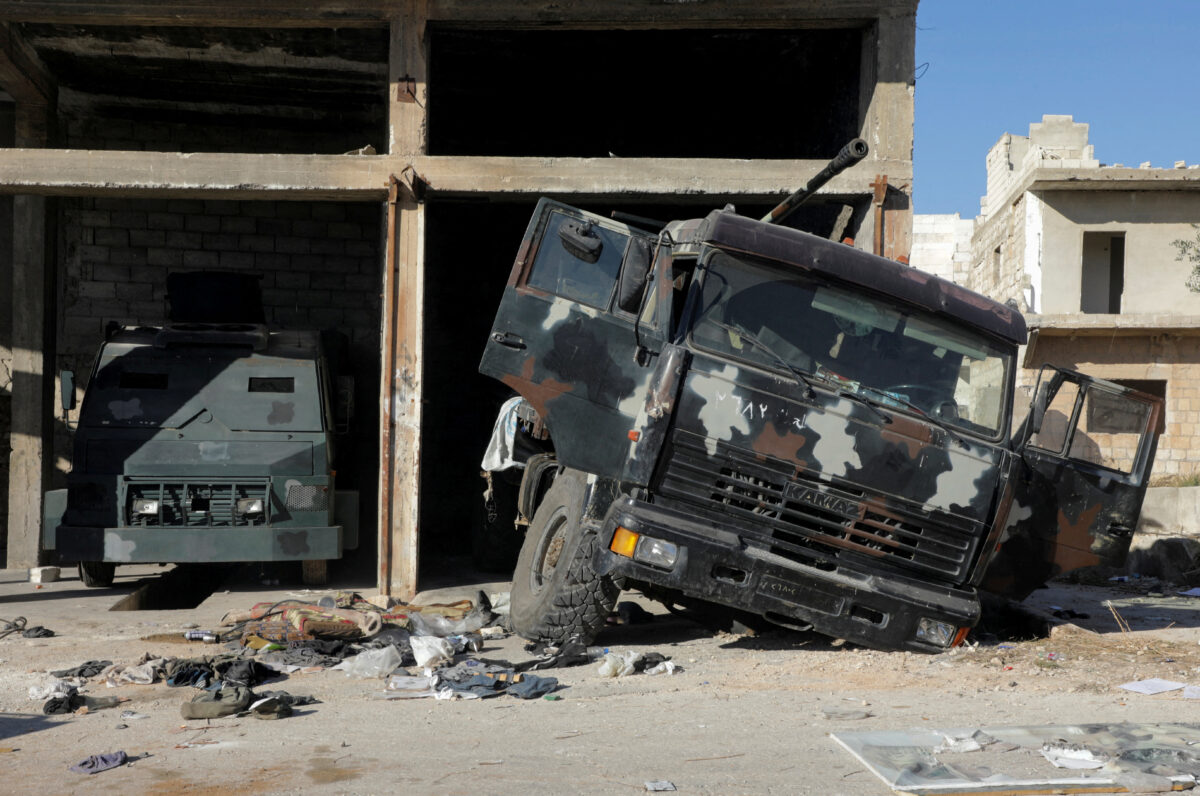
[186,504]
[812,522]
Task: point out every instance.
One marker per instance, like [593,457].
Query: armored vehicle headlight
[935,632]
[250,506]
[145,506]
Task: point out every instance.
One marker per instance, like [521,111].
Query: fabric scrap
[97,763]
[88,669]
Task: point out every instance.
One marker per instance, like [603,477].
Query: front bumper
[129,545]
[874,610]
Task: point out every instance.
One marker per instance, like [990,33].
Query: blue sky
[1130,69]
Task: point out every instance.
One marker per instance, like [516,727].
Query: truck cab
[750,415]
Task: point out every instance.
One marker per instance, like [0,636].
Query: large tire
[556,595]
[97,574]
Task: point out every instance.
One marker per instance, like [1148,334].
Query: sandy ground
[748,714]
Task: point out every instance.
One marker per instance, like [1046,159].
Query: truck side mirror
[632,282]
[66,388]
[580,240]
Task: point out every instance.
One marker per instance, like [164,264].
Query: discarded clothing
[270,708]
[312,652]
[571,653]
[37,631]
[89,669]
[218,703]
[295,700]
[72,703]
[65,704]
[146,671]
[525,686]
[97,763]
[54,688]
[247,673]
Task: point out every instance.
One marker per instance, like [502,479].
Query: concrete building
[376,162]
[1086,250]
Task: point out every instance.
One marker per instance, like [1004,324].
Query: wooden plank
[365,177]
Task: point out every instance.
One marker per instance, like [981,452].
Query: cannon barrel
[850,154]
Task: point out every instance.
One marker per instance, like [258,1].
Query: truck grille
[184,504]
[808,521]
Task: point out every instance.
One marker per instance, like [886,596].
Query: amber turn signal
[624,542]
[635,435]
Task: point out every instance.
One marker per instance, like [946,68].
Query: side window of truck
[558,271]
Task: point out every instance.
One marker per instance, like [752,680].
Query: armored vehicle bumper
[129,545]
[712,563]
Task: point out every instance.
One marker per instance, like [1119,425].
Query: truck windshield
[886,352]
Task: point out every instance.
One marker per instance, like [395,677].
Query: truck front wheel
[97,574]
[556,595]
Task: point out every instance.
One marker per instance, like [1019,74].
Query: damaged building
[375,166]
[1086,250]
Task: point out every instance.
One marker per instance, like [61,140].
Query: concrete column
[403,314]
[33,314]
[886,90]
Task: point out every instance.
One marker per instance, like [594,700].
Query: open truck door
[564,334]
[1086,449]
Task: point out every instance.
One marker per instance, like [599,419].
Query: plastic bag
[372,663]
[432,624]
[429,651]
[618,664]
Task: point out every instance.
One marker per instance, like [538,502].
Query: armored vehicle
[205,441]
[749,415]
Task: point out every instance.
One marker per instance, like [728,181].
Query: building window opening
[1103,272]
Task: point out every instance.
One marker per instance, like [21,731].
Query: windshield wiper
[937,421]
[802,378]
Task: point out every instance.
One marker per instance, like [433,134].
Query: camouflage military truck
[749,415]
[205,442]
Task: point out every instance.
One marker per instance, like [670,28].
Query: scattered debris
[1152,686]
[1125,757]
[44,574]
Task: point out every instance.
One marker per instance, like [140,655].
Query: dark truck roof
[730,231]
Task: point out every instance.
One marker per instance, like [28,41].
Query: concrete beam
[1110,178]
[1124,325]
[507,13]
[365,177]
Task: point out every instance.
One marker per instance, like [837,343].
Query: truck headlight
[250,506]
[935,632]
[146,506]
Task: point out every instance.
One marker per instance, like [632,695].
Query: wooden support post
[31,459]
[403,314]
[400,402]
